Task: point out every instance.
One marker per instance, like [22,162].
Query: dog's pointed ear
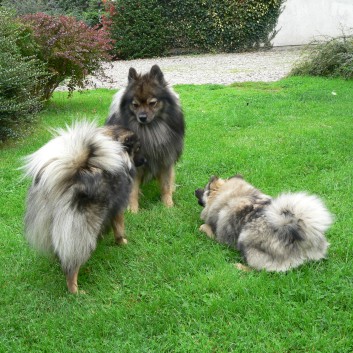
[132,76]
[128,141]
[213,178]
[239,176]
[157,74]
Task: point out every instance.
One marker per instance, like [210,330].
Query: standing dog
[272,234]
[152,110]
[82,179]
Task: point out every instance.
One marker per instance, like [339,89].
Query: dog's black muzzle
[199,194]
[142,118]
[139,161]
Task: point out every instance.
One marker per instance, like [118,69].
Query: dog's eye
[153,103]
[135,105]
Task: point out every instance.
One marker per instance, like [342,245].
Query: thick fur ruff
[272,234]
[151,109]
[81,181]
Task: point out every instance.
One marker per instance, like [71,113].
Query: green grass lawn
[171,289]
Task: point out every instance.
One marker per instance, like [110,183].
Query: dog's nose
[143,118]
[199,193]
[140,161]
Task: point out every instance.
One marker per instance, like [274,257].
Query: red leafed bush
[108,12]
[69,48]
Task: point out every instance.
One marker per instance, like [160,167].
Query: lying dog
[274,234]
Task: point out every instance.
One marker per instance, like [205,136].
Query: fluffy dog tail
[81,146]
[54,169]
[302,219]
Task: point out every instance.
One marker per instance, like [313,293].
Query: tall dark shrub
[23,7]
[69,48]
[139,29]
[88,11]
[21,77]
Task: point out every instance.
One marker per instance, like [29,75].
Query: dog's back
[289,232]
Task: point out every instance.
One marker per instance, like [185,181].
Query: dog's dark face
[130,141]
[199,195]
[133,148]
[145,98]
[211,188]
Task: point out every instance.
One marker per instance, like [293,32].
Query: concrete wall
[305,20]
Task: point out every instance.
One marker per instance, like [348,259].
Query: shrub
[69,48]
[157,27]
[85,10]
[23,7]
[138,28]
[21,77]
[332,58]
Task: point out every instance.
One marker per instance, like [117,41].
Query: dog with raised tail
[81,182]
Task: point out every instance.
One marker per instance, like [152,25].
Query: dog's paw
[122,241]
[242,267]
[133,208]
[72,286]
[167,201]
[205,228]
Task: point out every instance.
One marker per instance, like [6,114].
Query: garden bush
[87,11]
[331,58]
[159,27]
[23,7]
[69,48]
[84,10]
[139,29]
[21,77]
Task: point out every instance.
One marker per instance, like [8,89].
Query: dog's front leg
[205,228]
[119,229]
[135,191]
[166,180]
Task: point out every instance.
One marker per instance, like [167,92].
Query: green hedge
[158,27]
[88,11]
[139,29]
[21,77]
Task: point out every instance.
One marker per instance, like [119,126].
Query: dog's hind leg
[119,229]
[166,180]
[71,280]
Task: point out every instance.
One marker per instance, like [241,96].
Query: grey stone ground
[270,65]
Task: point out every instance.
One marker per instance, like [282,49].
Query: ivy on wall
[156,27]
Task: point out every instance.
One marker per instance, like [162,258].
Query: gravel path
[224,69]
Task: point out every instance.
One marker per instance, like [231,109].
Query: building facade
[305,20]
